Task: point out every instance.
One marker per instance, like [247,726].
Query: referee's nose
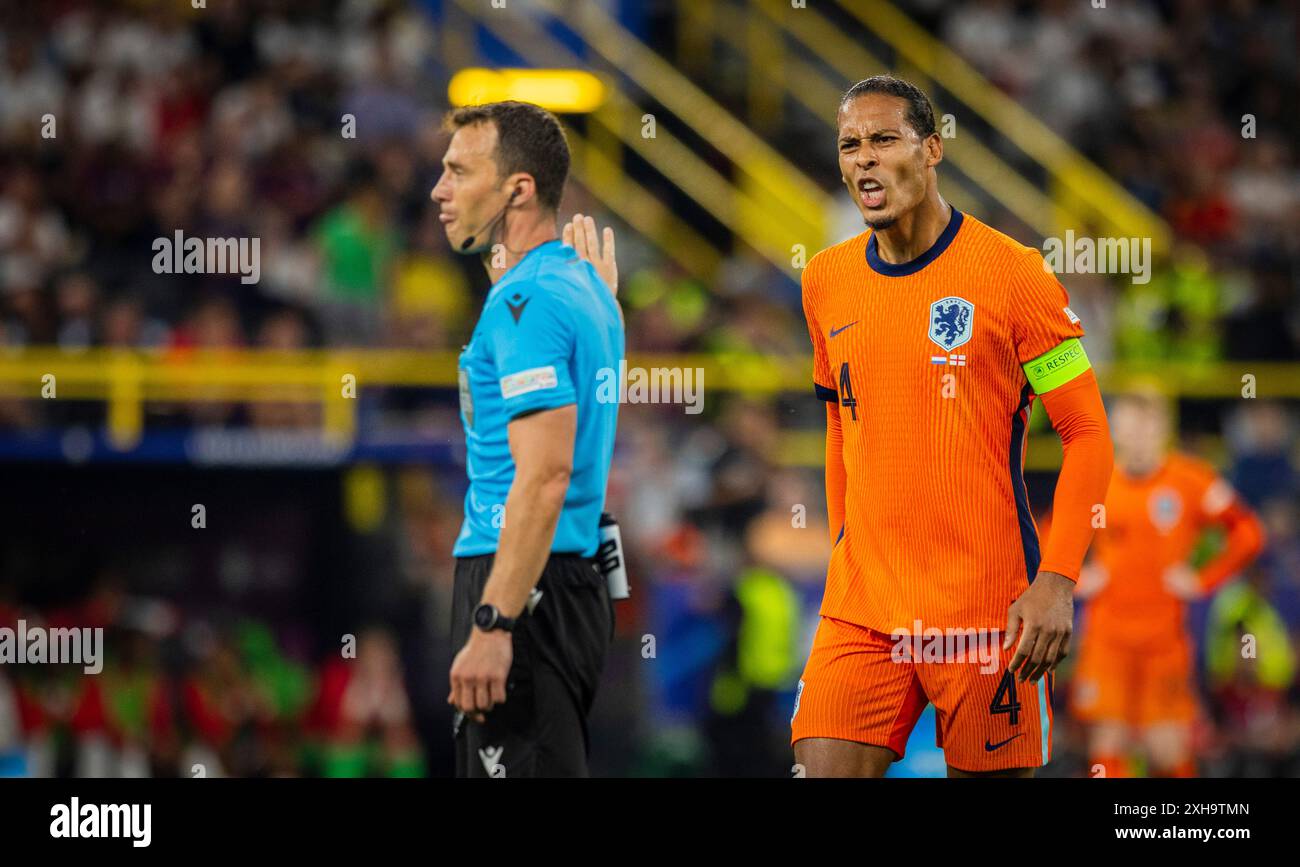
[440,192]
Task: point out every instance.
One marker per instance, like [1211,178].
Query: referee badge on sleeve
[526,381]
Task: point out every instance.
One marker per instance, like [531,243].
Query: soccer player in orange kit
[932,335]
[1134,682]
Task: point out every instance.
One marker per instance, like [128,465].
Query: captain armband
[1057,366]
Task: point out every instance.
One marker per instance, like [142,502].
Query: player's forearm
[1245,539]
[836,476]
[532,511]
[1079,417]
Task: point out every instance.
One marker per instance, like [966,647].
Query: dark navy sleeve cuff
[829,395]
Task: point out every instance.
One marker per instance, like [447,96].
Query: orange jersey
[1153,523]
[924,361]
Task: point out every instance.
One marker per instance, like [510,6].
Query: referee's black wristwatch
[488,617]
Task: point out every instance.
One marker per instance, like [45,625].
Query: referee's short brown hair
[529,139]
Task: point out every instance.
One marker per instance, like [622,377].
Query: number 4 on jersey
[846,391]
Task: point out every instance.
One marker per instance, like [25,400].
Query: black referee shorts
[559,651]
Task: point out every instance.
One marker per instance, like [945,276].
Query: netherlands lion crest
[950,321]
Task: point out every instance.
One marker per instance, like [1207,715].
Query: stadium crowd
[123,122]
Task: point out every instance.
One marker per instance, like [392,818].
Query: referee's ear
[522,189]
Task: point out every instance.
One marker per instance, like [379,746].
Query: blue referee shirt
[548,329]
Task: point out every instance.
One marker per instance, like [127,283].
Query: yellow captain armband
[1057,366]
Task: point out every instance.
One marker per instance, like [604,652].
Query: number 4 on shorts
[1006,690]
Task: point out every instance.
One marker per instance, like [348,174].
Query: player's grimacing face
[465,191]
[882,159]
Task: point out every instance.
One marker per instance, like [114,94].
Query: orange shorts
[1140,686]
[862,685]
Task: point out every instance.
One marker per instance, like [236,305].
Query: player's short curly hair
[920,114]
[529,139]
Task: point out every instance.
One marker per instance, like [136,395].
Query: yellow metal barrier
[605,179]
[126,379]
[790,208]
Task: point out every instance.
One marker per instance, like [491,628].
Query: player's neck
[914,232]
[519,238]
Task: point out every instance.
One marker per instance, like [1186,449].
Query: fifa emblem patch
[798,692]
[950,321]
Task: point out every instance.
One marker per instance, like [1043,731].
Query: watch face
[484,616]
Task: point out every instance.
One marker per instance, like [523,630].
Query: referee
[531,613]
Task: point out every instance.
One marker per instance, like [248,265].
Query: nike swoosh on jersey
[835,331]
[988,748]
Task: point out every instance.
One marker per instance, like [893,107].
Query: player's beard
[881,224]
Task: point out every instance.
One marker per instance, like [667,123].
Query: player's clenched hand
[478,673]
[1043,616]
[581,236]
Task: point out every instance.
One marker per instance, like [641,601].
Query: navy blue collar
[880,266]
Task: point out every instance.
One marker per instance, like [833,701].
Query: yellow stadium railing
[126,381]
[606,180]
[789,207]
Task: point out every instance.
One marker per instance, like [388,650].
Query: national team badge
[1164,508]
[950,321]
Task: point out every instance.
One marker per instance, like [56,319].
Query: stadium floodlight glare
[564,91]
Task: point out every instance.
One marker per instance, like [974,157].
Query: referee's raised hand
[581,236]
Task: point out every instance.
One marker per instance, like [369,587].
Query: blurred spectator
[358,244]
[363,716]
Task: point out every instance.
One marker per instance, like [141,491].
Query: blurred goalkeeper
[1134,683]
[531,612]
